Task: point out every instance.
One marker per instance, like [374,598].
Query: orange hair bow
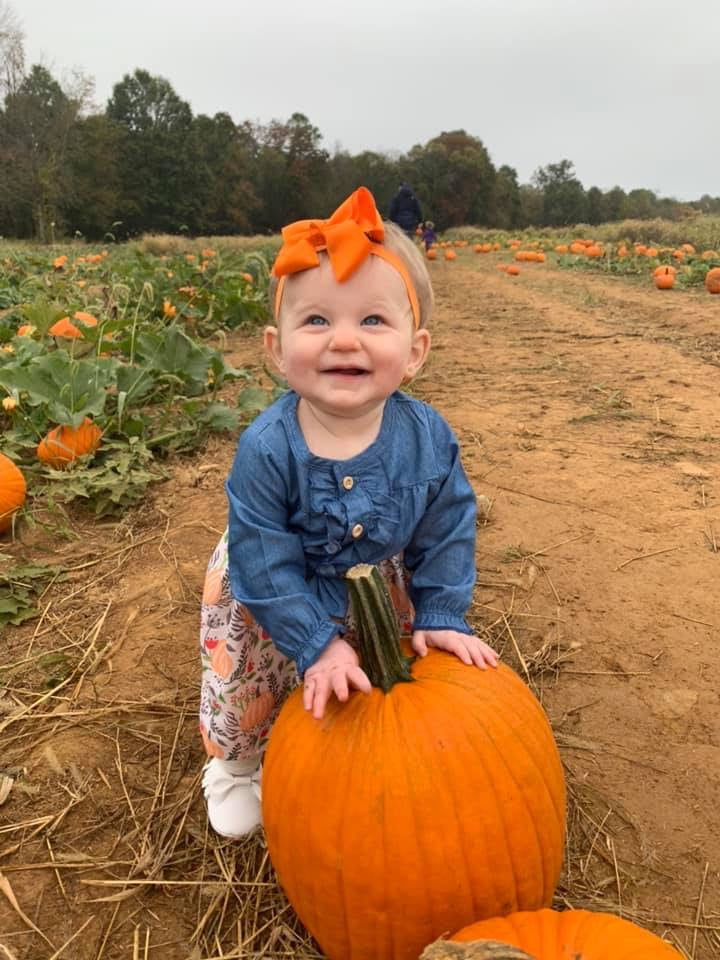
[354,232]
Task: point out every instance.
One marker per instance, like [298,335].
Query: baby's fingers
[482,654]
[359,679]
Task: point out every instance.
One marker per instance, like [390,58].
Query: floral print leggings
[245,678]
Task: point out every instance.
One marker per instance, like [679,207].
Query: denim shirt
[298,522]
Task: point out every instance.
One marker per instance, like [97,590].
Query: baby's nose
[344,336]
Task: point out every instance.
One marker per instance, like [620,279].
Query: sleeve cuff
[441,620]
[312,649]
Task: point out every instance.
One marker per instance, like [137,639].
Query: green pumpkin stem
[376,628]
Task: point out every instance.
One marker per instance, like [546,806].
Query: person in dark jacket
[405,209]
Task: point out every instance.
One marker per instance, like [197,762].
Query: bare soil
[588,412]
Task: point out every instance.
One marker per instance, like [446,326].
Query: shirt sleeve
[441,553]
[266,560]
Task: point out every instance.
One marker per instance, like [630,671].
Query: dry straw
[104,846]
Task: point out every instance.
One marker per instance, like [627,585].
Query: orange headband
[349,236]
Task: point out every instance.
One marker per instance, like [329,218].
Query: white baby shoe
[232,792]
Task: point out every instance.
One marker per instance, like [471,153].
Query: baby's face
[347,346]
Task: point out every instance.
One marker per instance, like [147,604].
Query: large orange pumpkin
[712,280]
[65,444]
[549,935]
[407,813]
[12,491]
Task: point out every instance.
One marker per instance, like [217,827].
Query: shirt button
[357,531]
[348,482]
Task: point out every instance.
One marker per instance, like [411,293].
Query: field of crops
[585,401]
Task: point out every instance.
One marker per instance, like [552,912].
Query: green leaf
[216,416]
[71,388]
[252,400]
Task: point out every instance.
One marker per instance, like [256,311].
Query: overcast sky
[629,90]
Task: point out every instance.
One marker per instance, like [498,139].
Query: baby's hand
[466,647]
[335,671]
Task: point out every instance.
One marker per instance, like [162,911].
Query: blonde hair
[402,246]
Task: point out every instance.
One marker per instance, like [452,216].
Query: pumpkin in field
[664,277]
[65,444]
[69,336]
[450,255]
[552,935]
[512,270]
[12,491]
[435,799]
[712,280]
[431,254]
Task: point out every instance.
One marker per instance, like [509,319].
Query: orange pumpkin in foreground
[12,491]
[552,935]
[65,444]
[407,813]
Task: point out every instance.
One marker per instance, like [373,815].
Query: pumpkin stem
[473,950]
[376,628]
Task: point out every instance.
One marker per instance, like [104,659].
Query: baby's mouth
[346,371]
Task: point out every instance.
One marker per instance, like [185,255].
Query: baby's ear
[271,342]
[418,353]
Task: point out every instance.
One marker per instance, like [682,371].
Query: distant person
[429,237]
[405,209]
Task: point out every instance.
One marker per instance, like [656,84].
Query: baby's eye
[372,321]
[315,320]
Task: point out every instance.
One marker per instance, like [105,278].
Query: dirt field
[588,412]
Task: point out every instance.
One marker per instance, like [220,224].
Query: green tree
[615,201]
[564,199]
[507,203]
[640,204]
[94,194]
[222,158]
[155,163]
[368,169]
[531,206]
[595,206]
[291,167]
[35,128]
[453,178]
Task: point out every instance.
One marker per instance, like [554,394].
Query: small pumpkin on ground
[433,800]
[450,255]
[12,491]
[664,277]
[512,270]
[552,935]
[65,444]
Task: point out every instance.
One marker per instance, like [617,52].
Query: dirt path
[588,413]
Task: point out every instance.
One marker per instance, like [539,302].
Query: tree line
[146,163]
